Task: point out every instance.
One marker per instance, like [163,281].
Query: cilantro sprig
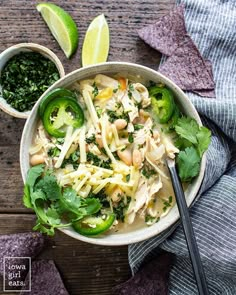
[54,206]
[193,141]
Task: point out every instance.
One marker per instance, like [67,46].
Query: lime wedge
[61,25]
[96,42]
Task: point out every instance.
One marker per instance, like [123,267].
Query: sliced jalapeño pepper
[60,113]
[94,225]
[162,101]
[55,93]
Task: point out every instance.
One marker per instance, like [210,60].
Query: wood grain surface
[85,269]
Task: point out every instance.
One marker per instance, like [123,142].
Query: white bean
[120,124]
[137,158]
[99,141]
[37,159]
[125,156]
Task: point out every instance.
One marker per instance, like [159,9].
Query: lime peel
[96,42]
[61,25]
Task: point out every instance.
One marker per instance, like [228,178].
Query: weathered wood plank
[86,269]
[11,185]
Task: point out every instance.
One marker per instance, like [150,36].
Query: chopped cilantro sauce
[25,77]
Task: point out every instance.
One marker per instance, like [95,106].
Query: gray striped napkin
[212,26]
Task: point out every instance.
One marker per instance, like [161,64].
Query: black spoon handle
[188,231]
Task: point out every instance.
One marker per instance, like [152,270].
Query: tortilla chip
[167,33]
[206,93]
[45,279]
[187,68]
[20,245]
[152,279]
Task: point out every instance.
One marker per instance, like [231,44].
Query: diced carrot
[122,82]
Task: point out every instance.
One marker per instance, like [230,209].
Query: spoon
[188,230]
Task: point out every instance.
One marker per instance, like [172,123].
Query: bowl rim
[194,191]
[7,108]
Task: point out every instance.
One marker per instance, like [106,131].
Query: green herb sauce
[25,77]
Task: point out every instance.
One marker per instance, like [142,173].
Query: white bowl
[14,50]
[147,74]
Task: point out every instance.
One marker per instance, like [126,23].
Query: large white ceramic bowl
[146,74]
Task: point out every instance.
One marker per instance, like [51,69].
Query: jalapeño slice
[60,113]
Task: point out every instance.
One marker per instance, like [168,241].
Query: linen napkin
[212,26]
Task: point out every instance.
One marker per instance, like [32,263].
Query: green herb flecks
[116,156]
[72,160]
[150,219]
[96,161]
[127,177]
[54,152]
[121,208]
[95,90]
[138,127]
[131,138]
[131,87]
[167,204]
[148,172]
[102,197]
[98,111]
[25,77]
[91,139]
[113,116]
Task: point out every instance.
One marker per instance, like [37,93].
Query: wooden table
[85,269]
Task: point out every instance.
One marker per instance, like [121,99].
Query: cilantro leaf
[33,174]
[182,143]
[70,202]
[187,128]
[188,163]
[53,216]
[26,196]
[80,207]
[48,184]
[204,139]
[92,205]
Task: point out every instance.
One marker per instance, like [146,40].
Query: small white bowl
[14,50]
[137,234]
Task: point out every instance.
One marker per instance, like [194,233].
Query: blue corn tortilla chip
[152,279]
[45,279]
[185,65]
[19,245]
[167,33]
[187,68]
[207,93]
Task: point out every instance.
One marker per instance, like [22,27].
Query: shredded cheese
[67,143]
[115,133]
[91,108]
[82,145]
[82,182]
[104,140]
